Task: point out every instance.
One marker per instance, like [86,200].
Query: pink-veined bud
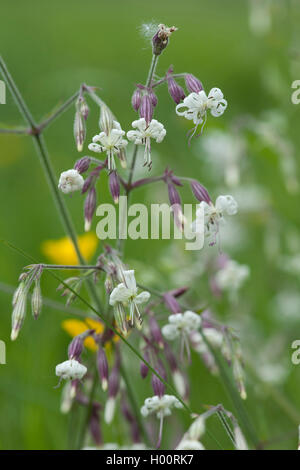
[114,186]
[171,359]
[136,99]
[156,332]
[193,84]
[153,98]
[175,90]
[89,208]
[36,299]
[102,366]
[82,165]
[171,303]
[122,157]
[178,292]
[174,197]
[146,109]
[135,433]
[106,119]
[113,389]
[84,109]
[95,428]
[144,369]
[157,384]
[79,131]
[200,192]
[75,347]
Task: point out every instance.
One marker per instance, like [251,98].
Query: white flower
[71,370]
[111,143]
[143,135]
[232,275]
[70,181]
[209,216]
[161,406]
[181,324]
[196,105]
[127,293]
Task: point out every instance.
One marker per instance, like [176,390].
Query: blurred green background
[252,54]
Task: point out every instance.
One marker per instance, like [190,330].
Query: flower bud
[175,90]
[36,300]
[106,119]
[95,429]
[114,186]
[84,109]
[156,332]
[193,84]
[122,157]
[79,131]
[200,192]
[157,385]
[89,208]
[144,369]
[75,347]
[82,165]
[171,303]
[153,98]
[146,109]
[136,99]
[18,314]
[102,366]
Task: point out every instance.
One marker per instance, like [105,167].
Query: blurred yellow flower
[76,327]
[62,251]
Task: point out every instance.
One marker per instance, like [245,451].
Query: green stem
[134,406]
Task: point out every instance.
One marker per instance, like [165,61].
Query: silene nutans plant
[128,324]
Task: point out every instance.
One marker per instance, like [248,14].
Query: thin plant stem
[58,112]
[82,431]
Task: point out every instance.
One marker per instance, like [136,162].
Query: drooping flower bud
[161,38]
[193,84]
[102,366]
[79,131]
[146,109]
[114,186]
[122,157]
[19,311]
[171,303]
[175,90]
[136,99]
[113,389]
[36,299]
[89,208]
[106,119]
[200,192]
[84,109]
[75,347]
[156,332]
[82,165]
[157,384]
[94,426]
[144,369]
[134,428]
[176,207]
[153,98]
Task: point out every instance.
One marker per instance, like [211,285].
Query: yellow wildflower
[62,251]
[76,327]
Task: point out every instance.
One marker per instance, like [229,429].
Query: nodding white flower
[181,324]
[161,406]
[127,293]
[70,181]
[188,444]
[232,275]
[71,370]
[209,216]
[196,105]
[144,133]
[112,143]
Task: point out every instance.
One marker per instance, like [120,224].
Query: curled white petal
[70,181]
[71,370]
